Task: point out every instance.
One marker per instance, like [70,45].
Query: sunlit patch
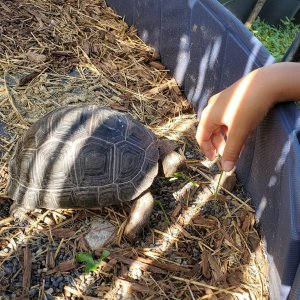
[94,162]
[261,207]
[183,59]
[53,165]
[272,181]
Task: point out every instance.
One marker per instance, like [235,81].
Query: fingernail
[227,165]
[211,155]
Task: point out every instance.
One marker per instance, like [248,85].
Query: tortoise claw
[16,211]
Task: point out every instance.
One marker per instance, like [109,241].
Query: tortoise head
[170,161]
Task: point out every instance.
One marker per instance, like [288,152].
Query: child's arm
[237,110]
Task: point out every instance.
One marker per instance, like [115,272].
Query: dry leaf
[205,264]
[235,278]
[216,269]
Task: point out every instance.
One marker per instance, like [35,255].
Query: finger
[205,130]
[208,150]
[206,127]
[219,143]
[234,144]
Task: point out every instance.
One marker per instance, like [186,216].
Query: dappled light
[198,244]
[183,58]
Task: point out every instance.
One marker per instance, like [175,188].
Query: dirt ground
[198,244]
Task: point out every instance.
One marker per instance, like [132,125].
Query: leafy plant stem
[163,210]
[218,186]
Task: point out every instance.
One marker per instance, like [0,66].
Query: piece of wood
[162,87]
[164,266]
[133,286]
[256,10]
[64,266]
[216,270]
[144,266]
[27,266]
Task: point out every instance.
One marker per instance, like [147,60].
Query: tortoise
[86,157]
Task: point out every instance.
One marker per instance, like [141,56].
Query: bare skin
[237,110]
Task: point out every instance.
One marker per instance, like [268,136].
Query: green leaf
[90,267]
[84,257]
[104,254]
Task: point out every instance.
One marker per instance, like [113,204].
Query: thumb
[234,144]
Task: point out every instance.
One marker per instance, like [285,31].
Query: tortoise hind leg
[139,216]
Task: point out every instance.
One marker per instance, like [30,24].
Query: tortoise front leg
[17,211]
[139,216]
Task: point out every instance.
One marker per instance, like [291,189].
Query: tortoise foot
[16,211]
[139,216]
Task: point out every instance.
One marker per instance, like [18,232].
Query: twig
[218,186]
[11,101]
[204,285]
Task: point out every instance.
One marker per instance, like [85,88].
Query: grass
[277,39]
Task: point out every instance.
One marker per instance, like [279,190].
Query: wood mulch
[199,244]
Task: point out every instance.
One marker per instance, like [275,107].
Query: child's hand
[237,110]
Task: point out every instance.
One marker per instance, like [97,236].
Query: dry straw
[57,53]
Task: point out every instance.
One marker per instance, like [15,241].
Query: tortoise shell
[86,156]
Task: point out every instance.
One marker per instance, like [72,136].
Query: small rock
[49,291]
[32,293]
[59,279]
[172,204]
[47,285]
[179,260]
[101,233]
[228,181]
